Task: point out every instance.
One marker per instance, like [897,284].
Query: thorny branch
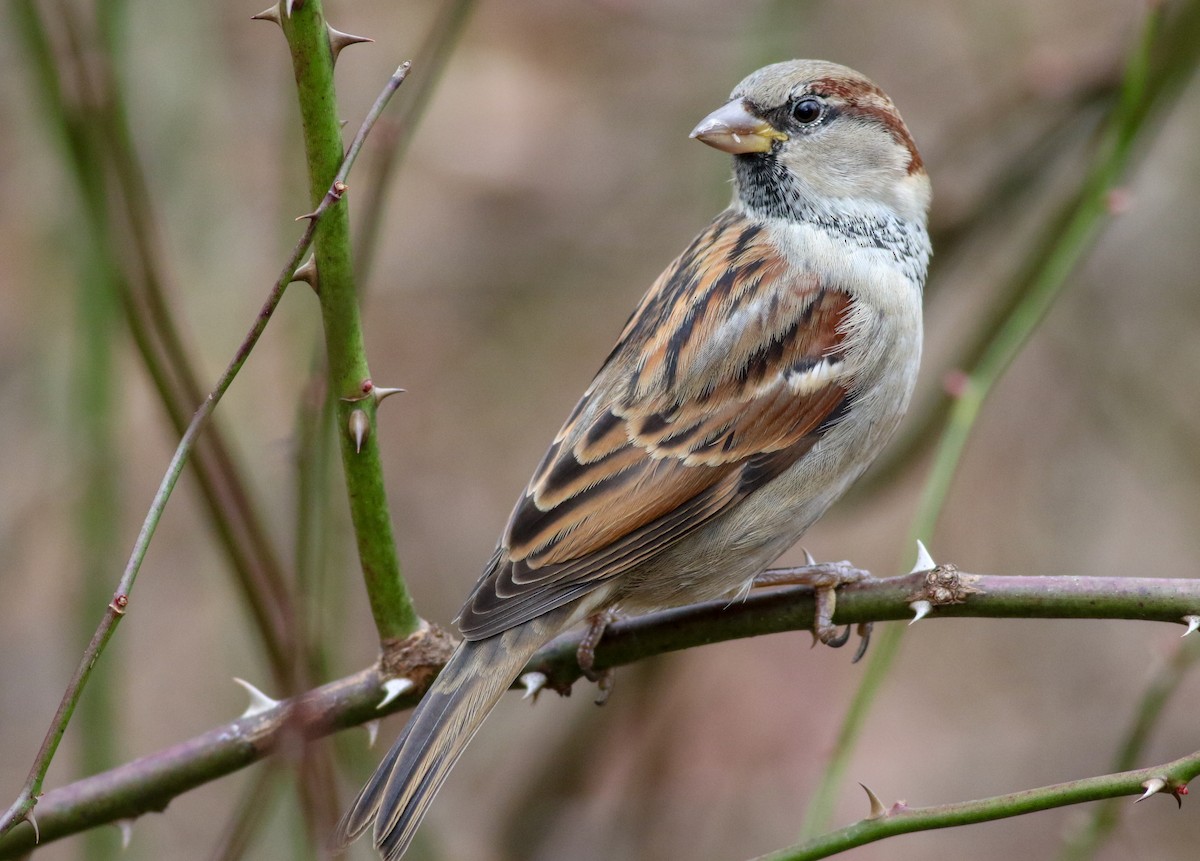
[149,783]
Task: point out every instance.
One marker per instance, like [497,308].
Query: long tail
[469,686]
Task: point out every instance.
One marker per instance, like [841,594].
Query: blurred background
[548,183]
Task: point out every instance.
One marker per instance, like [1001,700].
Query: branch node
[943,585]
[419,656]
[119,602]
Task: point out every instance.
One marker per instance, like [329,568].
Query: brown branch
[149,783]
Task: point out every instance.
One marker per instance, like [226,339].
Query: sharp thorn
[393,688]
[380,392]
[125,826]
[1153,785]
[360,429]
[924,560]
[339,40]
[290,7]
[878,811]
[307,272]
[533,684]
[259,702]
[37,832]
[312,214]
[372,728]
[269,14]
[920,609]
[808,557]
[1193,624]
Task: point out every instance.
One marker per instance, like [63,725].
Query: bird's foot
[585,654]
[824,578]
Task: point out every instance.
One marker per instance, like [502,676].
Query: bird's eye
[808,110]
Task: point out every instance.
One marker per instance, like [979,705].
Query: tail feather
[469,686]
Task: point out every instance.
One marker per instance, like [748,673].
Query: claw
[836,642]
[864,640]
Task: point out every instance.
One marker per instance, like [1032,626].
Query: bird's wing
[727,373]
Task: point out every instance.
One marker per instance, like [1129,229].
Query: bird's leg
[585,654]
[824,578]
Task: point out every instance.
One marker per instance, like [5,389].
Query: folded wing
[726,374]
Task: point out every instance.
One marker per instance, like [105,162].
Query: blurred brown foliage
[549,183]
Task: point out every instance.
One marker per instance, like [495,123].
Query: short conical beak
[734,129]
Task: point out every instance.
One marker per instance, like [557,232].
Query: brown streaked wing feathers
[691,413]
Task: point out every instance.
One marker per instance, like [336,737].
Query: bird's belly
[720,557]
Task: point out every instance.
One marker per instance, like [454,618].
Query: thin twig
[901,819]
[22,807]
[1088,839]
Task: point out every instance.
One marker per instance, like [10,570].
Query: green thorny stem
[22,808]
[1169,778]
[1045,275]
[349,375]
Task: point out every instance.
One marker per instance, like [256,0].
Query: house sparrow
[757,379]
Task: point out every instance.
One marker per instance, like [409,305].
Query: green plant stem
[349,375]
[22,807]
[1044,277]
[901,819]
[149,783]
[1103,821]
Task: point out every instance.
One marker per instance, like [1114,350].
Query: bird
[755,381]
